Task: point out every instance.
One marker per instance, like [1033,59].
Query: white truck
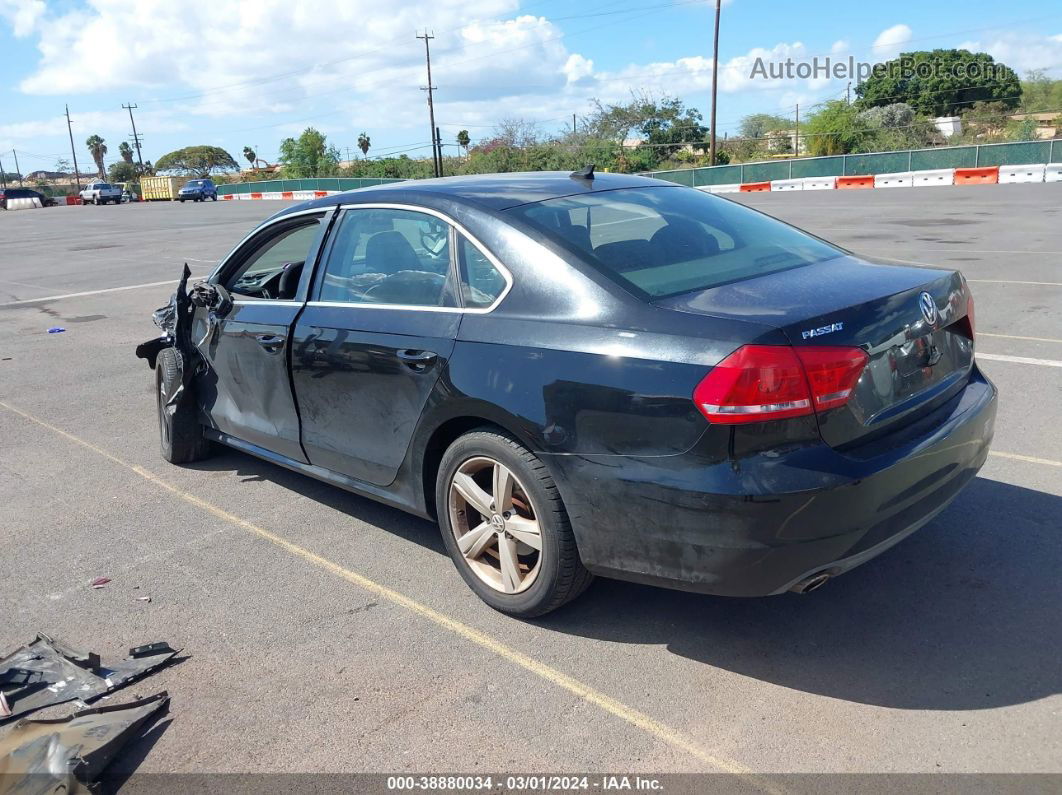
[101,193]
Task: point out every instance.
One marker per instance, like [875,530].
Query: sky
[235,73]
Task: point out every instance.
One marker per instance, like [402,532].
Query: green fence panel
[818,167]
[1056,152]
[876,163]
[765,172]
[717,175]
[682,176]
[1015,154]
[950,157]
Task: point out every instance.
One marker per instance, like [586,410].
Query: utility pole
[17,169]
[796,137]
[436,155]
[3,176]
[573,124]
[715,80]
[73,152]
[848,93]
[438,143]
[136,138]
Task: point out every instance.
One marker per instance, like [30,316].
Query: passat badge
[818,332]
[928,307]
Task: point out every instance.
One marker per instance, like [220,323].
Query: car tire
[535,581]
[214,198]
[181,439]
[181,201]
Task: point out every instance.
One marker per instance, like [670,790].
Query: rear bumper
[757,525]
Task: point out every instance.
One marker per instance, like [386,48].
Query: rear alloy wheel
[505,526]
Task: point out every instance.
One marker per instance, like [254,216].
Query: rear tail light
[772,382]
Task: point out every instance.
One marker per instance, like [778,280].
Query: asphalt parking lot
[325,632]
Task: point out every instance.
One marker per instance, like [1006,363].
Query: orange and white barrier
[934,177]
[861,182]
[23,204]
[1053,172]
[787,184]
[729,187]
[755,187]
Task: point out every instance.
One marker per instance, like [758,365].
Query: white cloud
[22,15]
[1022,52]
[890,42]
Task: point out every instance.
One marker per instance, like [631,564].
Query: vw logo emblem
[928,307]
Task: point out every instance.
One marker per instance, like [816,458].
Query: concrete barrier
[23,204]
[860,182]
[820,183]
[1009,175]
[729,187]
[755,187]
[988,175]
[934,177]
[900,179]
[787,184]
[228,196]
[1053,172]
[303,195]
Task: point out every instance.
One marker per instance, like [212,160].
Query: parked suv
[198,190]
[101,193]
[24,193]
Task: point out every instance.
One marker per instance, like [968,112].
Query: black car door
[246,390]
[371,343]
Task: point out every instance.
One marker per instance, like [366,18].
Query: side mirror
[211,296]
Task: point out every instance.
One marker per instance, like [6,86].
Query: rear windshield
[663,241]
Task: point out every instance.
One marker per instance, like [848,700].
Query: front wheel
[505,526]
[181,437]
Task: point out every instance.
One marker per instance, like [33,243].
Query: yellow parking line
[1026,458]
[634,717]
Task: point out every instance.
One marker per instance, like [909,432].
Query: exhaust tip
[812,583]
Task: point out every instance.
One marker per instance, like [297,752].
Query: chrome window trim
[454,253]
[265,302]
[262,227]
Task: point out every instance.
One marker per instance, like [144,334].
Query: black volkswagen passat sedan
[580,374]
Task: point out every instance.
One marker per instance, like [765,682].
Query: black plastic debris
[47,672]
[69,754]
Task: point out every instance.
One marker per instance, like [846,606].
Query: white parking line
[1027,458]
[88,292]
[995,357]
[1013,337]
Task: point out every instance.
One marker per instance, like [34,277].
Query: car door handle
[271,342]
[418,361]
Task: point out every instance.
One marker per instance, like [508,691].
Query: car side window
[481,281]
[272,267]
[389,256]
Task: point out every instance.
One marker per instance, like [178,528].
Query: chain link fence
[1009,154]
[315,183]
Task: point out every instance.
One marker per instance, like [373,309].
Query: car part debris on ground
[47,672]
[69,754]
[56,330]
[99,582]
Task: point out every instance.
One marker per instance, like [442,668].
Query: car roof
[495,191]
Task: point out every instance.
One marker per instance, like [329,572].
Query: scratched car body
[579,374]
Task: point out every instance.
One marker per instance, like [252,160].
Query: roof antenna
[586,172]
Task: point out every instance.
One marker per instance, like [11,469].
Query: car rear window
[662,241]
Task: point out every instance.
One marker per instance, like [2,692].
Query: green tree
[197,161]
[940,82]
[834,129]
[309,155]
[363,144]
[122,172]
[126,151]
[98,149]
[463,140]
[1040,93]
[250,155]
[757,125]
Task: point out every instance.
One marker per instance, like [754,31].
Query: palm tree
[250,155]
[98,149]
[363,144]
[126,151]
[463,140]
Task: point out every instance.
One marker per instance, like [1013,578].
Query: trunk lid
[920,348]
